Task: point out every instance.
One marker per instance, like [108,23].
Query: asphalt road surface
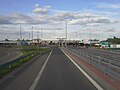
[3,53]
[8,55]
[51,71]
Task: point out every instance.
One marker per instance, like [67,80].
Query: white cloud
[41,10]
[73,18]
[116,21]
[110,6]
[48,7]
[81,19]
[37,5]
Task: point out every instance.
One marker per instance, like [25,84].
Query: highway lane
[59,74]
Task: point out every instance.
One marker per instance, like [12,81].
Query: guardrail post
[80,52]
[99,58]
[109,64]
[83,54]
[10,66]
[92,57]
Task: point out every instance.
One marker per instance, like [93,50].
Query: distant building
[24,43]
[92,42]
[115,46]
[36,40]
[8,43]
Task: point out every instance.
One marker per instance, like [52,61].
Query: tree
[6,40]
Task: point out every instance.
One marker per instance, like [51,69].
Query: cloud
[42,17]
[79,18]
[111,30]
[41,10]
[4,19]
[73,18]
[116,21]
[110,6]
[37,5]
[22,19]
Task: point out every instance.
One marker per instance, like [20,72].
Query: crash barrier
[111,67]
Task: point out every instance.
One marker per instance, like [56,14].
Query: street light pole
[90,37]
[20,33]
[76,35]
[32,34]
[66,31]
[66,28]
[41,33]
[29,36]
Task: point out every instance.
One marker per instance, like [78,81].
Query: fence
[108,66]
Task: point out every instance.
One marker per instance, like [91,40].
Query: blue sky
[8,6]
[101,16]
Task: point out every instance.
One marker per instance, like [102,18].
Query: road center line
[33,86]
[89,78]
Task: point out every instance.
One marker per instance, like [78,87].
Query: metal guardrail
[7,64]
[108,66]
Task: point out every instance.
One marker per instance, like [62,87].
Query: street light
[76,35]
[90,36]
[20,33]
[66,31]
[41,33]
[66,28]
[32,34]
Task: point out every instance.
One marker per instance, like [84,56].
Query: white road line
[33,86]
[89,78]
[6,55]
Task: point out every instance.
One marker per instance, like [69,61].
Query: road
[3,53]
[103,53]
[53,72]
[8,55]
[108,55]
[109,60]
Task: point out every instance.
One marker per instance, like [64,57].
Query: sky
[86,19]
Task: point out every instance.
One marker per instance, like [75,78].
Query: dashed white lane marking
[89,78]
[33,86]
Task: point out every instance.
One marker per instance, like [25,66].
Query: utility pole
[76,35]
[29,36]
[32,34]
[41,33]
[79,35]
[20,38]
[37,40]
[20,33]
[37,34]
[66,31]
[90,37]
[66,28]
